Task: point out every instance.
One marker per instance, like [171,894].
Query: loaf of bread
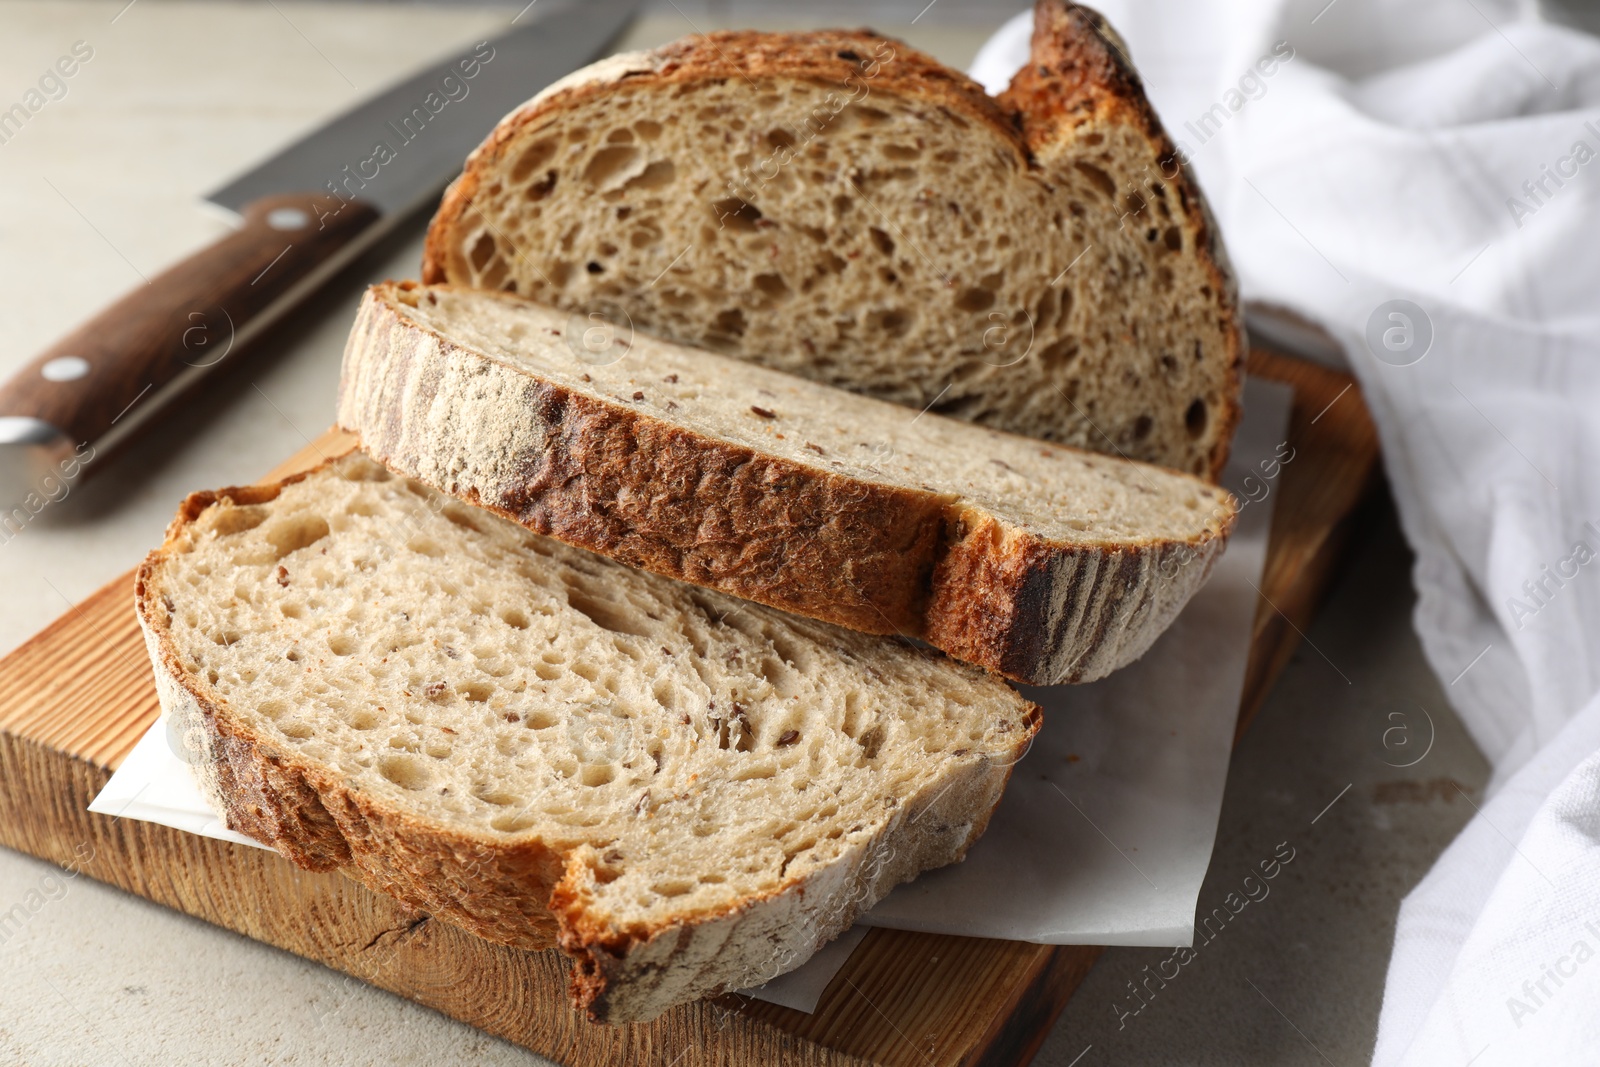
[840,206]
[1040,562]
[685,792]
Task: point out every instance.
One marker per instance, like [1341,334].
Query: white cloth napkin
[1445,153]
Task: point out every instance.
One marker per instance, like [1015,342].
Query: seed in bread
[840,206]
[1043,563]
[685,792]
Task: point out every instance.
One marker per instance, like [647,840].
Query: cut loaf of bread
[687,793]
[840,206]
[1040,562]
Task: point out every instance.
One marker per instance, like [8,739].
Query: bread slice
[687,793]
[1040,562]
[840,206]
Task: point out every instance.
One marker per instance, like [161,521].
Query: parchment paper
[1106,829]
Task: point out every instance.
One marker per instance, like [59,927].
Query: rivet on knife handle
[186,321]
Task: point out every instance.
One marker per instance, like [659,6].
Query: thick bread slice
[1043,563]
[686,792]
[840,206]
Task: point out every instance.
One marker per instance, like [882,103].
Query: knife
[304,214]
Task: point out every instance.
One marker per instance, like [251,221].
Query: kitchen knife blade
[306,212]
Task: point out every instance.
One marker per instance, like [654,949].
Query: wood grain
[75,699]
[186,320]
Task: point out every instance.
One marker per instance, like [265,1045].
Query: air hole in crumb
[407,772]
[515,618]
[1098,178]
[607,162]
[482,251]
[510,824]
[975,299]
[532,158]
[605,615]
[541,188]
[893,322]
[295,532]
[476,692]
[773,285]
[736,215]
[1194,419]
[672,889]
[297,730]
[231,520]
[462,517]
[1141,427]
[592,775]
[1058,354]
[425,546]
[658,174]
[342,644]
[272,710]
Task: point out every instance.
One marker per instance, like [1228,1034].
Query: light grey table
[101,189]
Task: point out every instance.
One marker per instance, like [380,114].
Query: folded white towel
[1422,178]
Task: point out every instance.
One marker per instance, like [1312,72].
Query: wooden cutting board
[75,699]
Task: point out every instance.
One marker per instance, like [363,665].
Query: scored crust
[1078,77]
[523,893]
[629,481]
[1072,78]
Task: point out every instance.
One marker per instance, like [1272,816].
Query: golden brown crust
[1078,71]
[605,476]
[1010,601]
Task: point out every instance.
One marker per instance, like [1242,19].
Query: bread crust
[608,477]
[1078,72]
[526,893]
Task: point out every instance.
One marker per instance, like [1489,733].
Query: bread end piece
[1079,76]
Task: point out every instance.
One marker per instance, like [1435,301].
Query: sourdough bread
[840,206]
[1040,562]
[685,792]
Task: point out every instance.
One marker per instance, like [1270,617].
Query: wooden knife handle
[187,320]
